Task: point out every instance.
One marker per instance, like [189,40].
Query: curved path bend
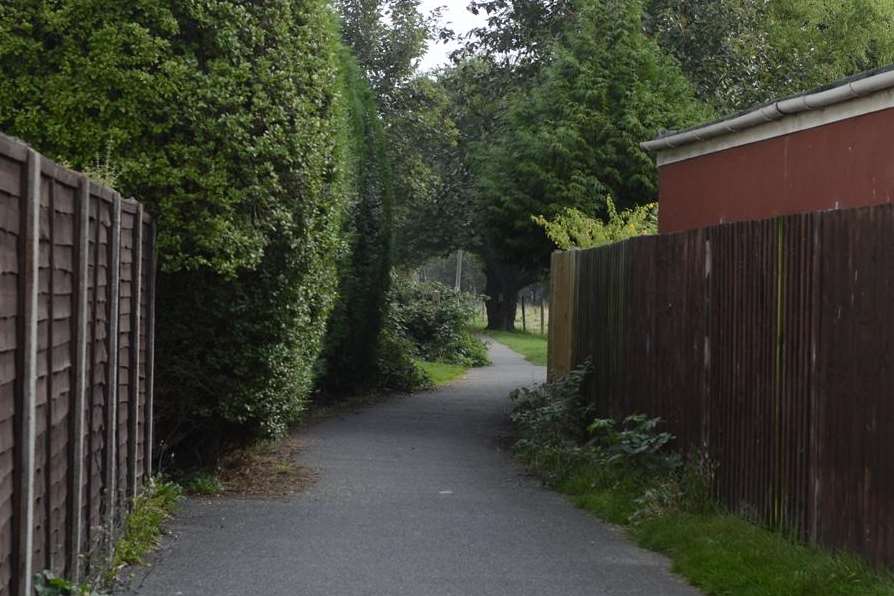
[416,497]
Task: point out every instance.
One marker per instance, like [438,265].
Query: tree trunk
[503,285]
[501,314]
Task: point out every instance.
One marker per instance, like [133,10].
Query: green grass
[441,373]
[143,528]
[531,346]
[723,554]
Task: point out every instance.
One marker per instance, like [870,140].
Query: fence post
[541,316]
[27,428]
[111,431]
[150,353]
[524,322]
[80,381]
[134,356]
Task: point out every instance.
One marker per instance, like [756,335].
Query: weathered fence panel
[770,343]
[59,390]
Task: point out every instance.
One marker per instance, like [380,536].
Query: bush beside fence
[769,342]
[76,365]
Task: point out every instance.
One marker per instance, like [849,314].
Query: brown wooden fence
[76,357]
[769,342]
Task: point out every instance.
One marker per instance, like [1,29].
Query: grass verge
[532,347]
[624,471]
[143,528]
[723,554]
[441,373]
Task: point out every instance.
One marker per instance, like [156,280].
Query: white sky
[456,17]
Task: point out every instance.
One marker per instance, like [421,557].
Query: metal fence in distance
[76,365]
[770,343]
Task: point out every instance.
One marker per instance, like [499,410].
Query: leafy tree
[425,148]
[739,53]
[388,37]
[573,140]
[520,34]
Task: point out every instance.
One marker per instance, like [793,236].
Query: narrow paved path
[416,497]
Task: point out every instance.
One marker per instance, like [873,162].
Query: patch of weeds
[46,583]
[143,528]
[203,483]
[623,472]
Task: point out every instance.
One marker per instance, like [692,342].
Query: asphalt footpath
[416,496]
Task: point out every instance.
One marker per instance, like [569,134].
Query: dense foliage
[351,355]
[572,139]
[739,53]
[551,99]
[286,174]
[559,435]
[573,229]
[238,125]
[436,319]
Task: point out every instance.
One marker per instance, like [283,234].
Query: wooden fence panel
[855,470]
[125,333]
[677,313]
[769,343]
[11,191]
[59,304]
[98,398]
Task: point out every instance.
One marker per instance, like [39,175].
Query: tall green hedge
[353,338]
[227,119]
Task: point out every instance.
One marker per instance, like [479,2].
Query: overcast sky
[457,18]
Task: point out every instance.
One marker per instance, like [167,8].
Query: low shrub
[552,414]
[47,583]
[396,370]
[559,438]
[436,319]
[635,442]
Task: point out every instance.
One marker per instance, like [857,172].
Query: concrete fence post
[112,414]
[80,380]
[134,354]
[27,427]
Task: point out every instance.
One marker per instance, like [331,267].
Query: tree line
[550,99]
[294,159]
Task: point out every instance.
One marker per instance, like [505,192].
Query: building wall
[844,164]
